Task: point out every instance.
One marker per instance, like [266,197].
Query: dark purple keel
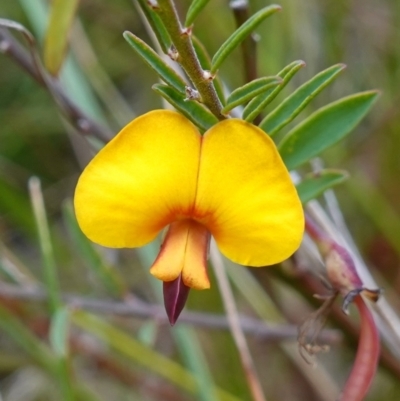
[175,296]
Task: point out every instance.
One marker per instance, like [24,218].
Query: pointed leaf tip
[175,296]
[256,105]
[240,34]
[154,61]
[325,127]
[285,112]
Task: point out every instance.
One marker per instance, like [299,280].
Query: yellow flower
[160,172]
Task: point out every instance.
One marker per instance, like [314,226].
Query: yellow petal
[245,196]
[139,182]
[184,250]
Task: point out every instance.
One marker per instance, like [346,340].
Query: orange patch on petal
[184,250]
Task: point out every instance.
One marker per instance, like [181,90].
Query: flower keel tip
[175,296]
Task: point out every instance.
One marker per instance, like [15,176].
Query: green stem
[181,38]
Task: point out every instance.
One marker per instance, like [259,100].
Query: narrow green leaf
[240,34]
[298,100]
[194,10]
[59,331]
[194,358]
[324,128]
[165,72]
[250,90]
[157,26]
[315,184]
[205,62]
[191,109]
[258,104]
[106,274]
[46,247]
[62,14]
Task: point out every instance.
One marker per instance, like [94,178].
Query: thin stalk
[181,38]
[234,323]
[65,380]
[240,9]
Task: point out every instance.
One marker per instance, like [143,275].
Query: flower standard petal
[245,196]
[140,181]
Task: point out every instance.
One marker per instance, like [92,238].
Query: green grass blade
[59,331]
[315,184]
[258,104]
[59,341]
[46,248]
[194,10]
[191,109]
[154,61]
[240,34]
[62,13]
[193,357]
[285,112]
[324,128]
[248,91]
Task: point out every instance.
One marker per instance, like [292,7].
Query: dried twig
[137,308]
[235,326]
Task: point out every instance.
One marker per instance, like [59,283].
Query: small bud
[191,94]
[208,76]
[153,4]
[173,53]
[187,31]
[341,270]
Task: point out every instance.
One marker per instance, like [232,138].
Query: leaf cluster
[298,145]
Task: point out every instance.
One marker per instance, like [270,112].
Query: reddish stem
[368,350]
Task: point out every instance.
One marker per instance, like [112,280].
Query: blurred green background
[112,84]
